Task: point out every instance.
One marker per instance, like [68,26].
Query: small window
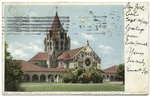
[66,45]
[61,34]
[57,43]
[36,64]
[61,45]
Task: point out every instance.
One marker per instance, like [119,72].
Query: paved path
[72,84]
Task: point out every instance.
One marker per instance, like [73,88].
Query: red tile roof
[68,55]
[112,69]
[60,67]
[40,56]
[26,66]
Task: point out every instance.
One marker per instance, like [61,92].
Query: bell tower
[56,41]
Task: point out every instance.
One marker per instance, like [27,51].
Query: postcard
[75,48]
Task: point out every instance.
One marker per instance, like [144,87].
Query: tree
[13,73]
[120,73]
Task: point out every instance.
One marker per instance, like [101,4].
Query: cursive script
[134,32]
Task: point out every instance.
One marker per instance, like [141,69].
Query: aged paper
[136,47]
[116,31]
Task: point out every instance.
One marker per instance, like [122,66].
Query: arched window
[50,78]
[26,78]
[111,78]
[57,45]
[107,76]
[57,78]
[66,45]
[61,45]
[61,34]
[51,32]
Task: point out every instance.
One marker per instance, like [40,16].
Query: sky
[108,46]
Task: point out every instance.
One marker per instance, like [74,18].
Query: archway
[111,78]
[107,77]
[35,78]
[50,78]
[103,76]
[57,78]
[42,78]
[26,78]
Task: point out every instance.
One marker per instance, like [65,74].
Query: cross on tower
[56,9]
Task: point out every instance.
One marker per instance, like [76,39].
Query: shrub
[96,77]
[87,77]
[67,77]
[81,75]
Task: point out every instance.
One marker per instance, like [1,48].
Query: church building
[57,58]
[58,54]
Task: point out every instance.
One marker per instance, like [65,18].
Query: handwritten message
[136,47]
[134,31]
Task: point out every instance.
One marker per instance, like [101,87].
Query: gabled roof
[26,66]
[40,56]
[68,55]
[112,69]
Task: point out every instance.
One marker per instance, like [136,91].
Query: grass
[96,87]
[42,83]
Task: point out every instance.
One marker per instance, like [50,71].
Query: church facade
[57,58]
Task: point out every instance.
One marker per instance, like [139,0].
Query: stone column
[57,78]
[54,78]
[30,78]
[38,78]
[46,78]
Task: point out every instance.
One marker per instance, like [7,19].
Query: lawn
[96,87]
[42,83]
